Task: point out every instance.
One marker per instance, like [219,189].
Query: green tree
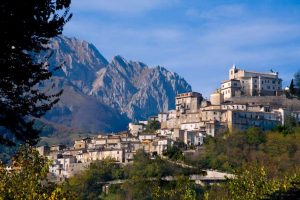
[27,178]
[255,136]
[181,189]
[152,126]
[251,184]
[174,153]
[297,83]
[277,151]
[88,184]
[292,87]
[254,182]
[26,27]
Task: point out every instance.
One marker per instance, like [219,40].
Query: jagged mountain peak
[119,60]
[86,52]
[131,89]
[79,59]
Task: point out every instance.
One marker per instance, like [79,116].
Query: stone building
[188,102]
[242,82]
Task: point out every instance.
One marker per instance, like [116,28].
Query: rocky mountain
[104,96]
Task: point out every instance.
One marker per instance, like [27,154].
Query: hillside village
[246,99]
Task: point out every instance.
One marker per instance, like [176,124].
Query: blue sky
[198,39]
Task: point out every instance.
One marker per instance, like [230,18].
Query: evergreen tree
[297,83]
[292,87]
[26,27]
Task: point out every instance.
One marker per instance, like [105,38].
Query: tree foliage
[181,189]
[174,153]
[297,82]
[152,126]
[290,125]
[292,87]
[27,178]
[26,27]
[277,151]
[142,180]
[88,184]
[254,182]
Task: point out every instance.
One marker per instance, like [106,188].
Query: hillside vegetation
[277,151]
[266,165]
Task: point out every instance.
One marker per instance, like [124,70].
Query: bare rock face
[104,96]
[79,61]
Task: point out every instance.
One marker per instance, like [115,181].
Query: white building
[242,82]
[135,129]
[193,138]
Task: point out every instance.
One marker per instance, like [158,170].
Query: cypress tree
[292,87]
[297,83]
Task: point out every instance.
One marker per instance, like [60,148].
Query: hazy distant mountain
[104,96]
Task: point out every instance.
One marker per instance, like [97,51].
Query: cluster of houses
[68,161]
[246,99]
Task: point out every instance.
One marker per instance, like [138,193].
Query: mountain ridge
[103,96]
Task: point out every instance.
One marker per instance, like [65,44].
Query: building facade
[248,83]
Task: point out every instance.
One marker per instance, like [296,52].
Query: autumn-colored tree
[26,178]
[254,182]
